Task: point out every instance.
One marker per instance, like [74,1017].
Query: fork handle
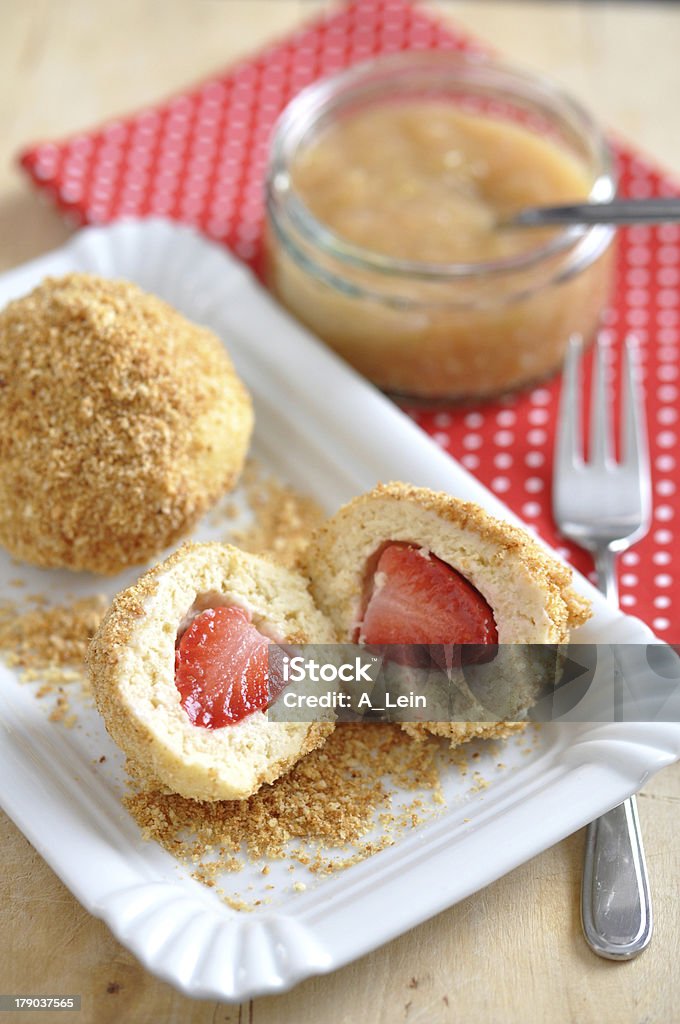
[616,908]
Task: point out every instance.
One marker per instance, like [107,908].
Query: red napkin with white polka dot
[200,158]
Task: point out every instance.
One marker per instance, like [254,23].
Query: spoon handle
[616,211]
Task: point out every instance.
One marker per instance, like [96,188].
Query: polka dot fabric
[200,158]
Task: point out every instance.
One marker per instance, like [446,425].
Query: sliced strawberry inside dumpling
[222,668]
[414,597]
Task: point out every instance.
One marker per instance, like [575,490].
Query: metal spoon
[616,211]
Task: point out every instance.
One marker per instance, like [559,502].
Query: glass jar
[435,330]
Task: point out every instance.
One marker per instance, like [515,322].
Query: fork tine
[569,435]
[634,447]
[600,413]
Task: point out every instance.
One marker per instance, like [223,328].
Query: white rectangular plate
[329,433]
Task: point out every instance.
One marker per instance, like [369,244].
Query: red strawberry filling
[413,597]
[222,668]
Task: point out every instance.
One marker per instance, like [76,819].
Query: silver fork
[605,506]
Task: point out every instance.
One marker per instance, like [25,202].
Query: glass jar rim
[334,91]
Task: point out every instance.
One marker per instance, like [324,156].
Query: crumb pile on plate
[49,645]
[367,786]
[49,637]
[318,815]
[122,424]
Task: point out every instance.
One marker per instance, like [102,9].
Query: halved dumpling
[408,565]
[179,669]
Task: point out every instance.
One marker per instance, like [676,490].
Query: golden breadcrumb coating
[122,423]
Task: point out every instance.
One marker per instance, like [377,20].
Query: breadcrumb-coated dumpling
[526,591]
[122,423]
[135,672]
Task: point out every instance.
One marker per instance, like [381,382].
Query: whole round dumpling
[122,423]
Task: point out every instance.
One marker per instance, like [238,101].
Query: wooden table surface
[514,951]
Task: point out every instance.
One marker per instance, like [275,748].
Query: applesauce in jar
[423,181]
[386,196]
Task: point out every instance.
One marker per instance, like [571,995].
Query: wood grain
[512,953]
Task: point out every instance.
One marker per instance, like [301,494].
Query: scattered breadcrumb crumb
[236,903]
[49,645]
[48,638]
[459,757]
[479,783]
[282,518]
